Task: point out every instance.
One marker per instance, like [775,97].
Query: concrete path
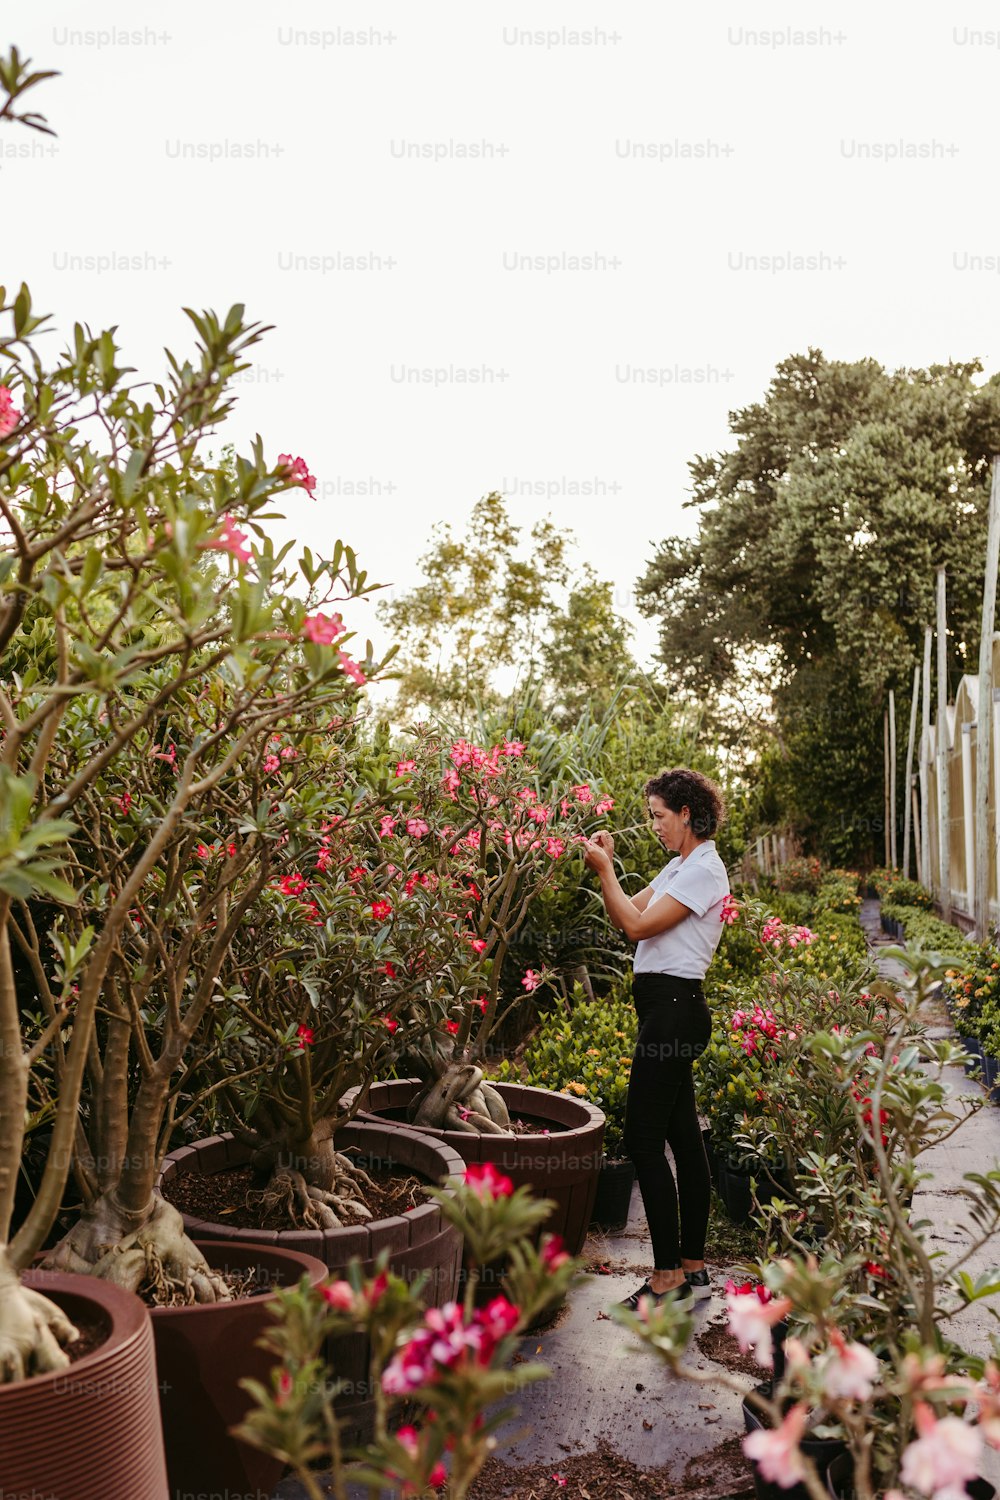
[975,1147]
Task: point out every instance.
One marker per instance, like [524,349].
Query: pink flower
[381,910]
[554,847]
[450,782]
[943,1457]
[338,1294]
[305,1036]
[123,803]
[729,911]
[486,1181]
[297,471]
[358,873]
[771,931]
[9,414]
[532,979]
[497,1319]
[322,629]
[386,827]
[478,945]
[169,755]
[452,1027]
[582,793]
[231,540]
[560,1480]
[388,969]
[513,748]
[481,1003]
[417,828]
[270,764]
[604,805]
[777,1451]
[351,669]
[848,1370]
[753,1312]
[292,885]
[554,1252]
[405,766]
[461,753]
[391,1025]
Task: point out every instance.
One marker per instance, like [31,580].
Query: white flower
[777,1451]
[943,1457]
[848,1371]
[751,1319]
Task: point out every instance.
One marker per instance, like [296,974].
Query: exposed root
[463,1100]
[33,1330]
[153,1258]
[331,1203]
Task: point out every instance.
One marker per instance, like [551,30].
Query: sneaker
[682,1295]
[699,1283]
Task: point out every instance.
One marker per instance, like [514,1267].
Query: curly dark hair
[682,787]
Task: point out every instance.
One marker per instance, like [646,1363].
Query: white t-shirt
[701,882]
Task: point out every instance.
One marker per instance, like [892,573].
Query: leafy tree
[487,620]
[813,571]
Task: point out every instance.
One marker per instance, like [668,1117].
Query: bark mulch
[719,1345]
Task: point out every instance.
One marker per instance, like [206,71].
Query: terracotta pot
[202,1353]
[564,1165]
[92,1431]
[421,1241]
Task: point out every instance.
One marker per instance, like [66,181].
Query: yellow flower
[575,1088]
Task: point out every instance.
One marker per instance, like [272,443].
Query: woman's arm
[643,899]
[635,922]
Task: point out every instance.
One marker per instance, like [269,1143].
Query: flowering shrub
[453,1363]
[894,887]
[871,1354]
[801,874]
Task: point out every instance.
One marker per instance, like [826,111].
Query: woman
[676,923]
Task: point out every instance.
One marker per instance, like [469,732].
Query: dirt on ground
[606,1475]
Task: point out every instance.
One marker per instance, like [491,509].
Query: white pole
[943,748]
[984,714]
[968,820]
[908,782]
[893,804]
[928,876]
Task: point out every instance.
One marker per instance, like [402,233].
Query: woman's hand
[596,856]
[605,842]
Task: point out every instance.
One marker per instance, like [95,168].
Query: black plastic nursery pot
[823,1452]
[734,1190]
[202,1353]
[972,1045]
[614,1193]
[840,1482]
[90,1431]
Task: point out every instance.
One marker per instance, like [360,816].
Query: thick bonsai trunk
[33,1330]
[461,1099]
[317,1186]
[146,1252]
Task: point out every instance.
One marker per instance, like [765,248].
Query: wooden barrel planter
[92,1430]
[202,1353]
[563,1165]
[418,1241]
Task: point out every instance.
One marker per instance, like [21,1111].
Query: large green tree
[813,571]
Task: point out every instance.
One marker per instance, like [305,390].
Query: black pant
[674,1029]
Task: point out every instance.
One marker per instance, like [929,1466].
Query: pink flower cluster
[9,414]
[729,911]
[774,933]
[752,1313]
[297,471]
[447,1341]
[758,1026]
[230,539]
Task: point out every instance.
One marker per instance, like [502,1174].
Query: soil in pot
[202,1353]
[236,1197]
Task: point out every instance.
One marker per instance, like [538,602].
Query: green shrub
[926,931]
[585,1052]
[890,885]
[803,874]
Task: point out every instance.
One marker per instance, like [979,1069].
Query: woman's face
[668,826]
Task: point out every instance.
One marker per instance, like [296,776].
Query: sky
[538,249]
